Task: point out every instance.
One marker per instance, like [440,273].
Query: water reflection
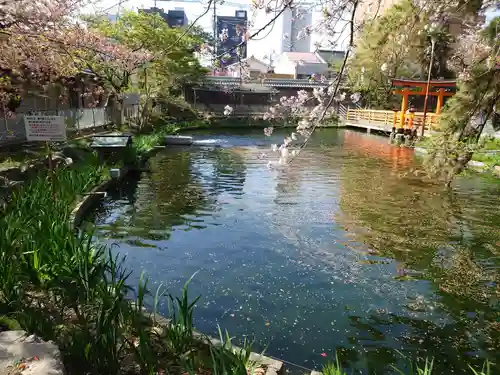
[345,249]
[180,191]
[435,235]
[374,148]
[226,170]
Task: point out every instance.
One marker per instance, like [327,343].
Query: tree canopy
[44,42]
[172,62]
[466,114]
[395,45]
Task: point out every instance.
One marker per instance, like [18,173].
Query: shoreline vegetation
[485,159]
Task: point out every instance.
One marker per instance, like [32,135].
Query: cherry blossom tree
[112,62]
[42,46]
[31,57]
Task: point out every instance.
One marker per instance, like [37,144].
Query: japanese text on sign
[45,128]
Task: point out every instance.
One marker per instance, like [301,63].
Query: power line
[118,4]
[214,58]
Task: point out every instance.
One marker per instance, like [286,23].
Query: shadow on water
[178,192]
[345,250]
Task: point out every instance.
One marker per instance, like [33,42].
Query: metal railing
[385,119]
[238,110]
[12,129]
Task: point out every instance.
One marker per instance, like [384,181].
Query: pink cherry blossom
[268,131]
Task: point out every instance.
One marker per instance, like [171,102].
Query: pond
[347,250]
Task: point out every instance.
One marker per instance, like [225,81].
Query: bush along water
[64,287]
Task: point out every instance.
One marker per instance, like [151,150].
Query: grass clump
[334,368]
[413,368]
[488,151]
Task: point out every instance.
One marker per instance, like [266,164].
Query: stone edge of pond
[92,197]
[477,166]
[273,366]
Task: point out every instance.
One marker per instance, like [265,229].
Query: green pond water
[347,250]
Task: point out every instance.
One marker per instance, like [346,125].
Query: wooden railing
[377,118]
[385,119]
[431,120]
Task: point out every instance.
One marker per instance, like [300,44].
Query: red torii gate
[444,88]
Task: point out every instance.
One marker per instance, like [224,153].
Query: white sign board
[45,128]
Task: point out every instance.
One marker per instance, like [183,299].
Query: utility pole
[214,55]
[433,45]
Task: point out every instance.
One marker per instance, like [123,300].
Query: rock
[496,170]
[273,366]
[29,353]
[178,140]
[477,165]
[420,150]
[399,139]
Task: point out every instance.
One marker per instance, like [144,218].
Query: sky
[193,8]
[492,14]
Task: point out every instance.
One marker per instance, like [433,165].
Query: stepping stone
[178,140]
[29,353]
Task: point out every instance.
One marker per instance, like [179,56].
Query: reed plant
[334,368]
[413,368]
[229,360]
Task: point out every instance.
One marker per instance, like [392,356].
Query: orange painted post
[412,117]
[404,107]
[395,119]
[440,98]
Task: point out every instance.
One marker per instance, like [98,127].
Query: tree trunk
[118,113]
[144,115]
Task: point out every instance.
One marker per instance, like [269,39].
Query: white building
[250,67]
[300,64]
[283,35]
[295,30]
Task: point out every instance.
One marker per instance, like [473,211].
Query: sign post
[46,129]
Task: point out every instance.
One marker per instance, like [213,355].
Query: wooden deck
[383,121]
